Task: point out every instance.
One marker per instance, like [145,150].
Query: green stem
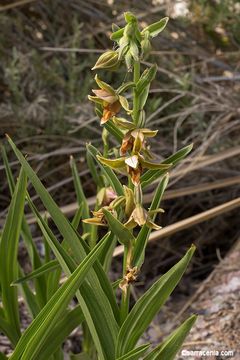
[136,105]
[125,305]
[125,295]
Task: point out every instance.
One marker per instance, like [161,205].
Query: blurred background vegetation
[47,48]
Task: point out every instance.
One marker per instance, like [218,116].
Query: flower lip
[140,217]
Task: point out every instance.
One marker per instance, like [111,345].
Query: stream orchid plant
[111,323]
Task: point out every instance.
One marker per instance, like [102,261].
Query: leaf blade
[169,348]
[149,304]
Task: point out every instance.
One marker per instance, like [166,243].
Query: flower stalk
[132,46]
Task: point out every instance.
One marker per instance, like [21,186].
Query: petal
[148,132]
[112,163]
[152,225]
[156,211]
[105,86]
[94,221]
[152,165]
[123,123]
[138,143]
[105,95]
[95,99]
[130,204]
[124,103]
[135,175]
[132,161]
[130,224]
[140,215]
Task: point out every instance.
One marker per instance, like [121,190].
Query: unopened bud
[146,45]
[108,60]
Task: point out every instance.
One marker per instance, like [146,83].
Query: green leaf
[82,356]
[135,353]
[151,175]
[45,268]
[8,171]
[5,327]
[33,302]
[154,166]
[53,277]
[146,78]
[78,188]
[123,234]
[82,201]
[8,257]
[125,86]
[102,307]
[169,348]
[64,327]
[157,27]
[118,163]
[143,235]
[92,311]
[112,178]
[124,103]
[3,357]
[105,86]
[114,130]
[123,123]
[149,305]
[38,331]
[116,35]
[94,171]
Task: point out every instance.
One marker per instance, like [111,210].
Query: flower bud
[146,45]
[108,60]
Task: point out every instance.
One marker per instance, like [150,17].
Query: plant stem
[125,305]
[126,294]
[136,105]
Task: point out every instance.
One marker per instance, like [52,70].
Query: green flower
[140,217]
[108,99]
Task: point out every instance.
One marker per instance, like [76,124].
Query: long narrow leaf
[135,354]
[149,304]
[169,348]
[103,304]
[143,236]
[151,175]
[123,234]
[112,128]
[112,178]
[45,268]
[8,256]
[82,201]
[33,302]
[62,329]
[33,338]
